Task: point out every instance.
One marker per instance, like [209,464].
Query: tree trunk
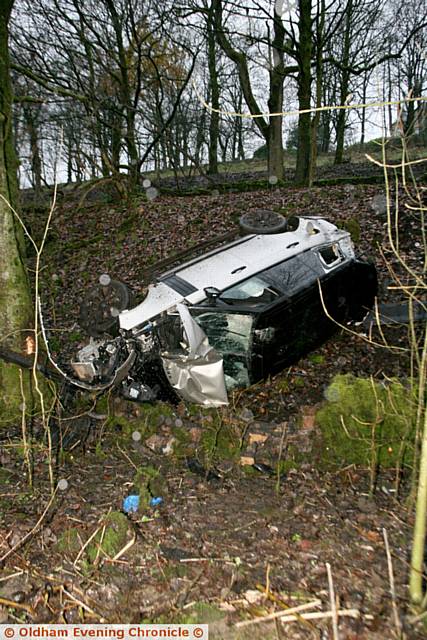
[36,163]
[239,125]
[320,23]
[243,70]
[302,172]
[390,98]
[345,83]
[275,101]
[275,148]
[126,97]
[15,301]
[363,114]
[409,122]
[214,91]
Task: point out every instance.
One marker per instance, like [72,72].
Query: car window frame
[339,260]
[248,356]
[254,304]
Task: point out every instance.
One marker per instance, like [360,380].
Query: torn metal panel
[198,375]
[197,379]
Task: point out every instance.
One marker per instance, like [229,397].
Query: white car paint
[231,264]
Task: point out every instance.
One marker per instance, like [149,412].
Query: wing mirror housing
[212,294]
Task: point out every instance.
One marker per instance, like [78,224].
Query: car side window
[330,255]
[296,273]
[255,290]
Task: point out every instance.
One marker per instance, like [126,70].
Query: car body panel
[264,310]
[239,260]
[197,374]
[159,298]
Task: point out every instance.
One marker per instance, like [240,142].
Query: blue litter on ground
[131,504]
[154,502]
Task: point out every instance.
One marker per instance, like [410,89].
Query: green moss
[298,381]
[75,336]
[282,385]
[316,358]
[353,227]
[148,483]
[293,461]
[220,439]
[69,542]
[172,570]
[127,425]
[102,404]
[11,396]
[248,470]
[110,540]
[359,413]
[153,412]
[183,446]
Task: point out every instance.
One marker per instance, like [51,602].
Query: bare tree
[15,301]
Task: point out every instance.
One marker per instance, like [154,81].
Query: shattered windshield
[231,335]
[227,332]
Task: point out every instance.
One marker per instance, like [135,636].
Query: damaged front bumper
[191,366]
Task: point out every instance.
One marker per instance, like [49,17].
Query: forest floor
[234,545]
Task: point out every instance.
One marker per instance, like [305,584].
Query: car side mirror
[212,294]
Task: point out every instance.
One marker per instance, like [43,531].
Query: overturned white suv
[227,318]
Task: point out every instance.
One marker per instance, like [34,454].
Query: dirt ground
[226,547]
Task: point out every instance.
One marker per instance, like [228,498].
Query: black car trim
[179,284]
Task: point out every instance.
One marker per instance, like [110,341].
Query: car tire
[262,221]
[101,306]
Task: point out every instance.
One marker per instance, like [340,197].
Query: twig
[279,459]
[127,457]
[267,580]
[33,530]
[12,575]
[88,541]
[180,600]
[17,605]
[392,589]
[80,603]
[245,526]
[26,444]
[418,618]
[281,614]
[99,549]
[318,615]
[125,548]
[333,602]
[285,606]
[313,615]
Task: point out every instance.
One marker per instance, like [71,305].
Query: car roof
[250,255]
[229,265]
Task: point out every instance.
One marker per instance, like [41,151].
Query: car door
[229,332]
[297,322]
